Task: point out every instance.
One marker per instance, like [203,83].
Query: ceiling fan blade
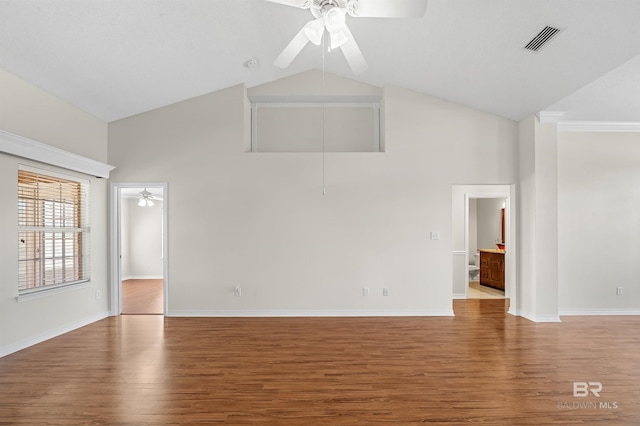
[302,4]
[352,53]
[290,52]
[387,8]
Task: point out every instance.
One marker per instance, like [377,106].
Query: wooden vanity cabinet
[492,268]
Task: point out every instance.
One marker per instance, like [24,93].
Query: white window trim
[52,290]
[28,148]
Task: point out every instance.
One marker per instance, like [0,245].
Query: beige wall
[538,221]
[598,222]
[262,223]
[29,112]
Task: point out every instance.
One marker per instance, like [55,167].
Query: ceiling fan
[331,15]
[145,199]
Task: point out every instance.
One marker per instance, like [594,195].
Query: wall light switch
[435,235]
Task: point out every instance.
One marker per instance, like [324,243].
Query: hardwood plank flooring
[142,297]
[481,366]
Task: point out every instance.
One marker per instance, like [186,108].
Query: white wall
[526,217]
[29,112]
[262,222]
[538,221]
[489,221]
[599,222]
[141,242]
[125,250]
[473,229]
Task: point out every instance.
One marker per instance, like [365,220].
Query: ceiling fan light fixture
[145,199]
[314,31]
[338,38]
[334,19]
[144,202]
[331,15]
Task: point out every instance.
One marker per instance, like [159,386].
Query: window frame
[55,221]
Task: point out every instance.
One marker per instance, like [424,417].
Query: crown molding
[598,126]
[550,116]
[28,148]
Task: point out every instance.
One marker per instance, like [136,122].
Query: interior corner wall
[538,219]
[598,220]
[261,221]
[547,222]
[526,218]
[32,113]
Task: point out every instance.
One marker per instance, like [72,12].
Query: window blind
[53,230]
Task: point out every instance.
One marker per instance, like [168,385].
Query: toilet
[474,269]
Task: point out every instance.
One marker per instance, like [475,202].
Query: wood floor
[480,367]
[142,297]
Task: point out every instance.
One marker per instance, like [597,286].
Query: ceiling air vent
[543,37]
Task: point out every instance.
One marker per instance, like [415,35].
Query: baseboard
[41,337]
[592,312]
[307,313]
[459,296]
[143,277]
[537,318]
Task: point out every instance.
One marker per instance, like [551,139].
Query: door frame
[461,196]
[115,247]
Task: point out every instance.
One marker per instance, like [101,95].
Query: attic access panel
[315,127]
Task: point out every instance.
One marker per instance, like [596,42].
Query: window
[53,232]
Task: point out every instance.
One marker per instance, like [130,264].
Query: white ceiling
[116,58]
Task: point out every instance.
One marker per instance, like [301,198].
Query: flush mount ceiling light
[145,199]
[330,15]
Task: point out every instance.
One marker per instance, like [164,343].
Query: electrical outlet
[618,291]
[385,291]
[366,291]
[98,294]
[237,291]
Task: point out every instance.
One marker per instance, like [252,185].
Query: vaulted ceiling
[117,58]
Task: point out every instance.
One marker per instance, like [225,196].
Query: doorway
[462,196]
[486,224]
[138,248]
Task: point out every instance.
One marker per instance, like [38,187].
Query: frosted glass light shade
[314,31]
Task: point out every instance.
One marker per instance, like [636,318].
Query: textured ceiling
[116,58]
